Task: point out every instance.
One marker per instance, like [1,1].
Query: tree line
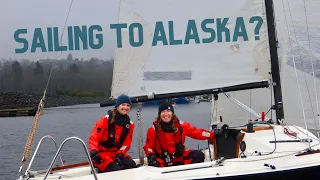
[67,75]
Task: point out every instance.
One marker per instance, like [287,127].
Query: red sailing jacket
[100,135]
[167,141]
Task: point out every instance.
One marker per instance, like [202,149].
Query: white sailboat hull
[282,162]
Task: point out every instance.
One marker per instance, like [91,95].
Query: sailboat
[184,48]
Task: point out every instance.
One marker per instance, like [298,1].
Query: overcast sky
[31,14]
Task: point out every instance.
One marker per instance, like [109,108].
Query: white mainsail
[176,52]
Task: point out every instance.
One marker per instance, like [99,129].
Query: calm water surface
[63,122]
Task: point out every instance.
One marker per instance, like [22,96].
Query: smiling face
[166,115]
[124,108]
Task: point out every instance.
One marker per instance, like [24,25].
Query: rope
[28,147]
[290,133]
[30,140]
[305,133]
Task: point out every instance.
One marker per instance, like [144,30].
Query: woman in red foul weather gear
[165,140]
[111,138]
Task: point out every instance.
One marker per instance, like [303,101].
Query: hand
[221,131]
[212,140]
[152,161]
[225,127]
[119,159]
[95,156]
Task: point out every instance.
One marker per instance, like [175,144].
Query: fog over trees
[70,74]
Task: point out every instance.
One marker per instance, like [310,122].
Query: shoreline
[20,100]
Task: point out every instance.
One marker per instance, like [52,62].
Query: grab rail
[87,153]
[36,151]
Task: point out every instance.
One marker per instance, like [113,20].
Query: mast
[275,70]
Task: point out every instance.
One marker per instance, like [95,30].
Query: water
[63,122]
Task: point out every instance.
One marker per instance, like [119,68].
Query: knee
[197,156]
[112,167]
[129,163]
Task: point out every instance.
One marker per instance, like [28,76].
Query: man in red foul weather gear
[165,140]
[111,138]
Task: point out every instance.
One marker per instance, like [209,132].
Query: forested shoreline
[73,81]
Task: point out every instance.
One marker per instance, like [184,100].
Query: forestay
[185,45]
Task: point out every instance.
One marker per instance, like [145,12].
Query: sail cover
[172,46]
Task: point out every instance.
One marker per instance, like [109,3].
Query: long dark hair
[114,114]
[174,119]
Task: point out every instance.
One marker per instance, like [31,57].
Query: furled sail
[162,47]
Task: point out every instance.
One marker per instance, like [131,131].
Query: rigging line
[271,101]
[114,59]
[311,64]
[268,158]
[64,27]
[271,89]
[30,139]
[56,55]
[214,112]
[140,134]
[244,106]
[311,59]
[305,133]
[275,143]
[250,103]
[241,104]
[65,22]
[295,68]
[304,74]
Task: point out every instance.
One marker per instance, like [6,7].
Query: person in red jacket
[111,138]
[165,140]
